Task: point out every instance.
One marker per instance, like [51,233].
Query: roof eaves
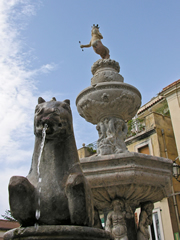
[150,104]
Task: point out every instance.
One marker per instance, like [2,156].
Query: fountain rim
[103,63]
[107,85]
[58,231]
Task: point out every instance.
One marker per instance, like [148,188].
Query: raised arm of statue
[86,46]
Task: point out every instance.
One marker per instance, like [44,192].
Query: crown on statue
[95,26]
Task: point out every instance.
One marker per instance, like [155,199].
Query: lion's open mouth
[52,127]
[49,128]
[40,127]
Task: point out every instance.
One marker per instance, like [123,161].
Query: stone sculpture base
[50,232]
[135,177]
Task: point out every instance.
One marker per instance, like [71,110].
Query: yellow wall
[165,218]
[166,137]
[1,234]
[174,107]
[161,144]
[83,152]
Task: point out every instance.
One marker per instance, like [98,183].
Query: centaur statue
[96,43]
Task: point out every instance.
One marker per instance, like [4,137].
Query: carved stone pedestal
[109,102]
[112,132]
[134,179]
[50,232]
[120,181]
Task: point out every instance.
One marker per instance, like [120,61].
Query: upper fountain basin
[108,99]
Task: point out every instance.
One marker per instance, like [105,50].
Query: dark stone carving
[145,219]
[64,193]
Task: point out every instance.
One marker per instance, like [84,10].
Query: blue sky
[40,56]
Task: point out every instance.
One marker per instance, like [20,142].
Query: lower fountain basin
[133,176]
[50,232]
[108,99]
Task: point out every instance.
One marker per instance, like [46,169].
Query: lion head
[56,115]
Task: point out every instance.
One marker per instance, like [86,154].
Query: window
[156,229]
[144,147]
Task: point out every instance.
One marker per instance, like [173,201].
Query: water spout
[41,148]
[38,212]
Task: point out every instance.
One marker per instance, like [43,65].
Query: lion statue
[60,192]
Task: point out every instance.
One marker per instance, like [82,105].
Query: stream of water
[38,213]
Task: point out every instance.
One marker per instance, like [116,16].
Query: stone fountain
[121,181]
[108,102]
[60,198]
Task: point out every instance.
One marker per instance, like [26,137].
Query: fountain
[121,181]
[59,199]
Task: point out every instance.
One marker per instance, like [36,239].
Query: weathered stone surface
[145,219]
[110,99]
[63,196]
[134,177]
[108,102]
[58,232]
[116,219]
[102,64]
[106,70]
[112,133]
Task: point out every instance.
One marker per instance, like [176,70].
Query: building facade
[152,132]
[6,225]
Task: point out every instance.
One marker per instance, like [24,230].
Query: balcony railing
[135,126]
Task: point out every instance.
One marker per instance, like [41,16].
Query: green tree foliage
[91,148]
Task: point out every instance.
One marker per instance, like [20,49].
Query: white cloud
[17,93]
[43,69]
